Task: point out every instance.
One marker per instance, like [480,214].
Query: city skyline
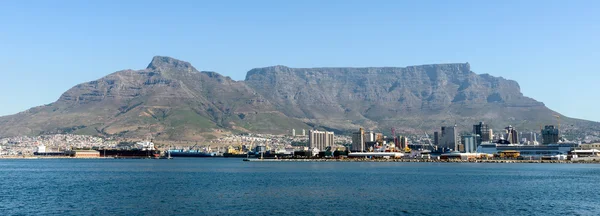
[507,39]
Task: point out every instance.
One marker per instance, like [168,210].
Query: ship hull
[129,153]
[191,154]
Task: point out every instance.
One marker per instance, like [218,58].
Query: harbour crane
[557,120]
[394,136]
[194,146]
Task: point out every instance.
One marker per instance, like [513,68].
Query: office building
[436,138]
[358,141]
[550,134]
[512,136]
[293,132]
[320,139]
[483,131]
[369,136]
[449,137]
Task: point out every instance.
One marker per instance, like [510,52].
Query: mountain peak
[168,63]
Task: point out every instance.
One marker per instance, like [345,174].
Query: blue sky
[551,48]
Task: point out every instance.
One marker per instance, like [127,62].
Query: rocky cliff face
[427,95]
[171,99]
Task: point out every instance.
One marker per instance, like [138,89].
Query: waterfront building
[403,142]
[449,137]
[375,155]
[358,141]
[529,151]
[512,136]
[260,149]
[320,139]
[369,136]
[470,143]
[436,138]
[550,134]
[463,156]
[589,146]
[483,131]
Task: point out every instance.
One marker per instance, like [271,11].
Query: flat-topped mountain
[171,99]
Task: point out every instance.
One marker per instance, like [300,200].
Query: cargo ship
[42,150]
[142,150]
[190,153]
[129,153]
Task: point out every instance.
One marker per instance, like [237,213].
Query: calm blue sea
[218,186]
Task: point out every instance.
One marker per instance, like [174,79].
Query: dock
[415,160]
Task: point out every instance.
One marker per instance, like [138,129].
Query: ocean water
[219,186]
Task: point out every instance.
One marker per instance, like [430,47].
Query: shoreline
[338,160]
[42,158]
[422,161]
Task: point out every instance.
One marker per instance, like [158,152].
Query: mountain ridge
[171,99]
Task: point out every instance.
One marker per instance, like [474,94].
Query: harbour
[229,186]
[420,161]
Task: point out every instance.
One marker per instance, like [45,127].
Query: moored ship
[129,153]
[190,153]
[42,150]
[143,150]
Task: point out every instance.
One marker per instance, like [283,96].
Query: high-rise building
[449,138]
[358,141]
[483,131]
[491,135]
[512,135]
[320,139]
[529,138]
[370,136]
[403,142]
[550,134]
[303,132]
[293,132]
[470,143]
[436,138]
